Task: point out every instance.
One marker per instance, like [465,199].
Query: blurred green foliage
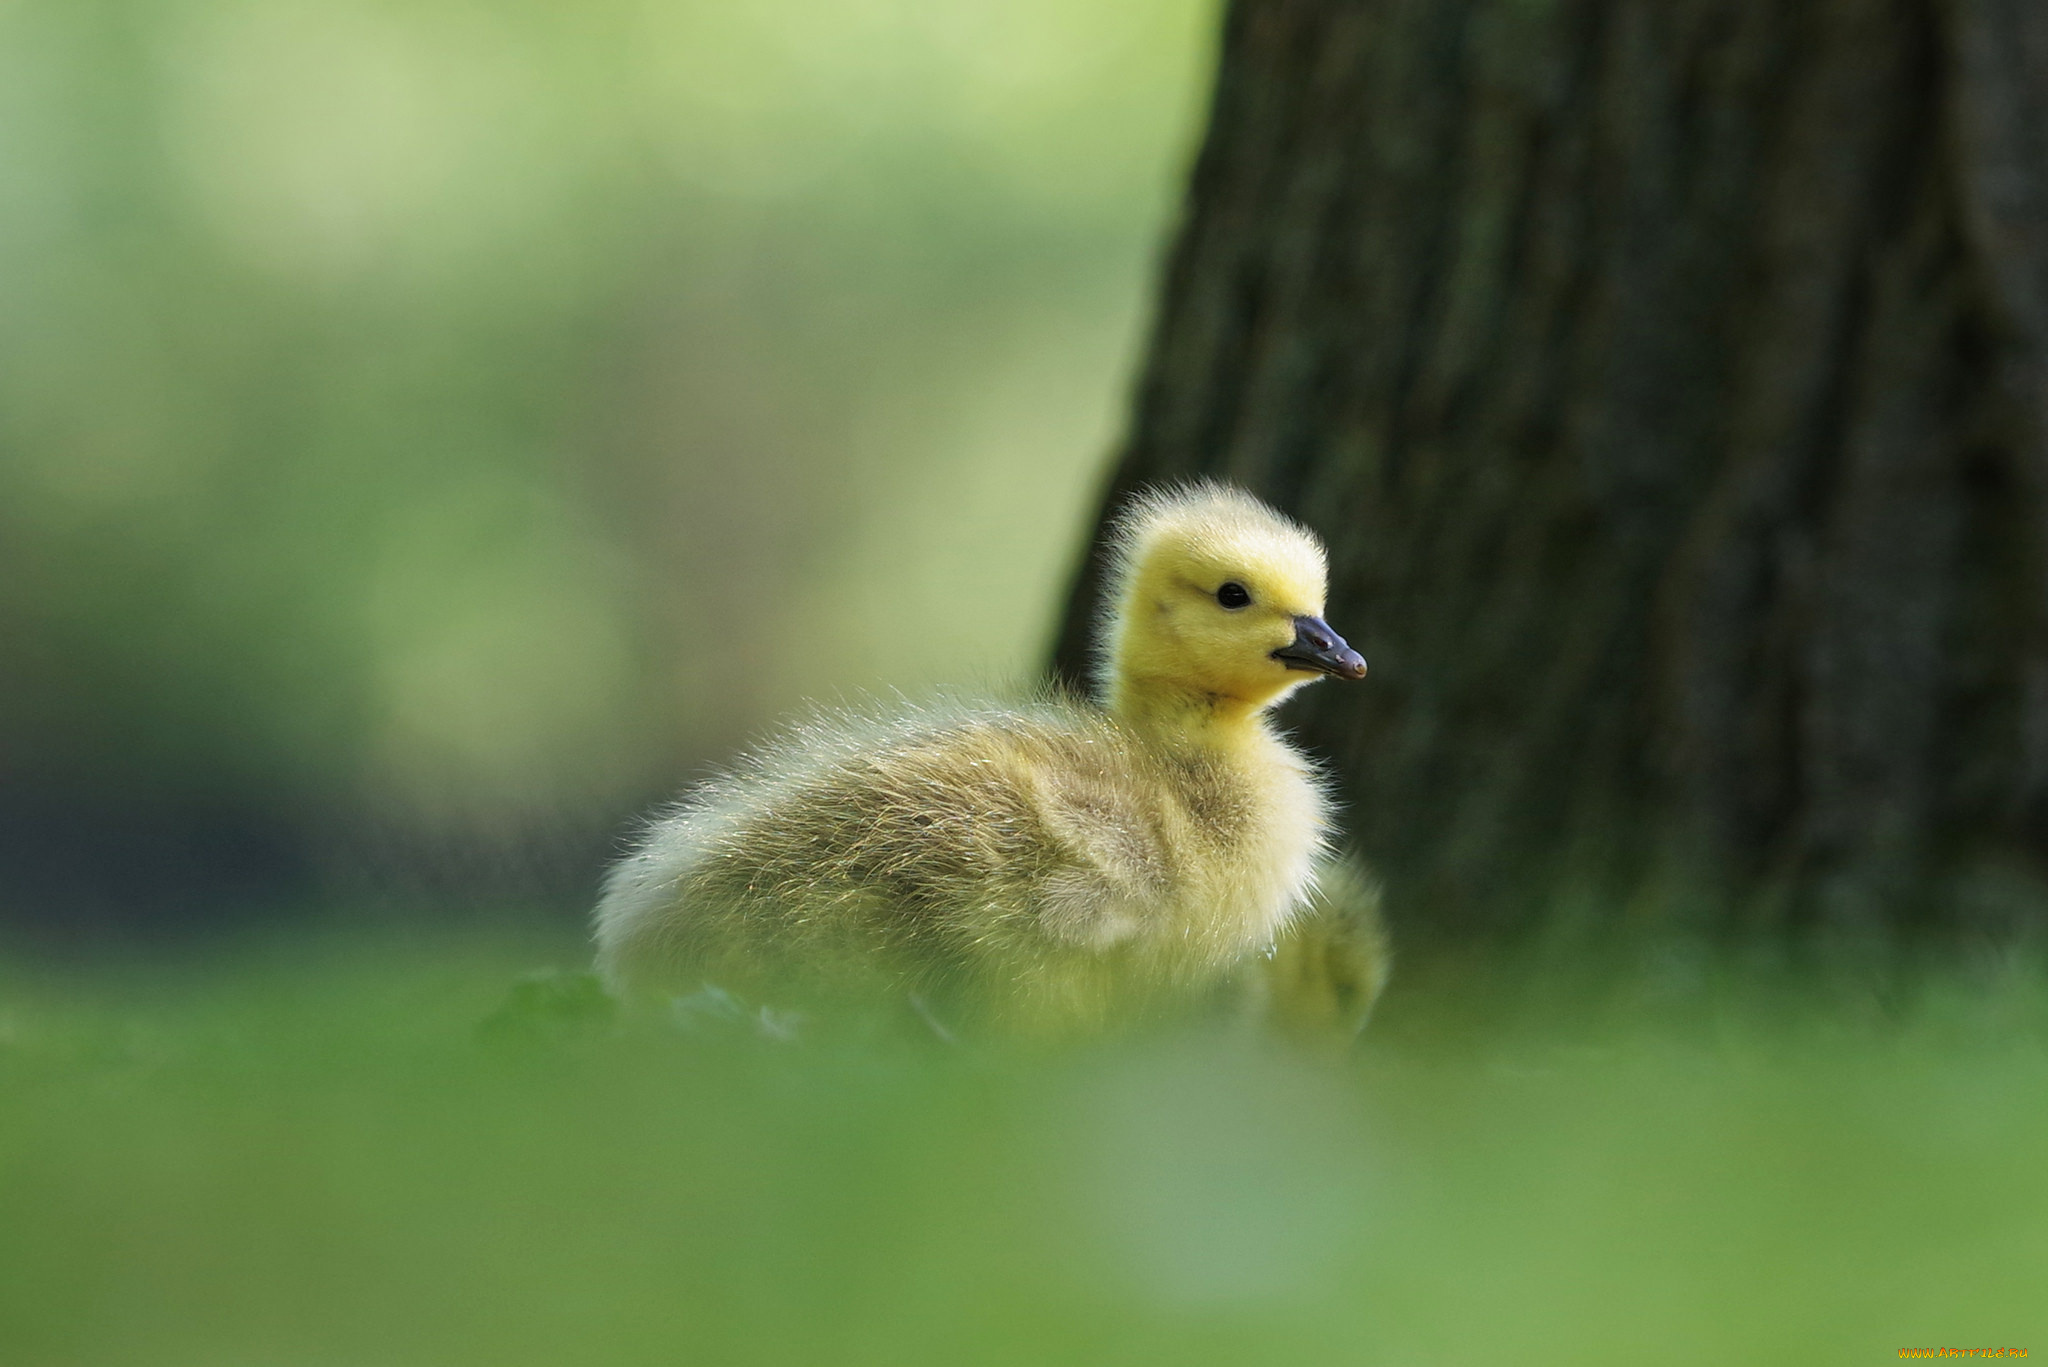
[468,413]
[316,1156]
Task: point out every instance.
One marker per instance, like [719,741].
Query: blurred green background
[432,431]
[311,1158]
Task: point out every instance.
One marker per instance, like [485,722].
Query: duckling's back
[1041,862]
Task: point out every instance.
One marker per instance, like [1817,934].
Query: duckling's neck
[1182,719]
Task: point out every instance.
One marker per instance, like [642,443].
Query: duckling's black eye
[1234,595]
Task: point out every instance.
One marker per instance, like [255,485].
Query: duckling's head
[1214,601]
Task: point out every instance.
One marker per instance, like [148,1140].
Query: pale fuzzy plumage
[1049,864]
[1319,984]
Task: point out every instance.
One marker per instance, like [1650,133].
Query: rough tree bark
[1670,378]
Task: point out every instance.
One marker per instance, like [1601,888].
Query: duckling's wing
[1106,868]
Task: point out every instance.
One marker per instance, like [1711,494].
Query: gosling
[1043,867]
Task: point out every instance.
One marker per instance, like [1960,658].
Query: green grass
[317,1157]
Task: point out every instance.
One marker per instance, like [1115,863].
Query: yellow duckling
[1318,986]
[1043,866]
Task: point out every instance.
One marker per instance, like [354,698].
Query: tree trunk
[1670,380]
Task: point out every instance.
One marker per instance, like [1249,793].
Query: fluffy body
[1325,973]
[1051,864]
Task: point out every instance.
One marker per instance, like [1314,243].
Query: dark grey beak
[1320,650]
